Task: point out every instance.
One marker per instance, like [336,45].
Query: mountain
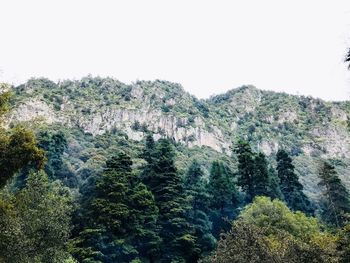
[101,115]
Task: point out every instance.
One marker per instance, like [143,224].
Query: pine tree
[123,218]
[143,229]
[274,190]
[149,155]
[224,197]
[261,175]
[178,241]
[337,202]
[246,169]
[198,216]
[291,188]
[266,182]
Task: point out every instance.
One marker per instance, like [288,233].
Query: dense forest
[153,213]
[71,195]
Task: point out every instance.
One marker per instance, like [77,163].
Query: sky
[209,47]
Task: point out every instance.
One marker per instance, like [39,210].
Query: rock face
[272,120]
[110,118]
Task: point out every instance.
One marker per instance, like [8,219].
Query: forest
[152,213]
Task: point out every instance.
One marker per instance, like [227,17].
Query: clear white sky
[207,46]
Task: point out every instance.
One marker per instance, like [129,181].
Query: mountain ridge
[310,128]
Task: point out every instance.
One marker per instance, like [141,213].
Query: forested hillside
[95,170]
[98,114]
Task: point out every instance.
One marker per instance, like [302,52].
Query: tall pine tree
[291,188]
[337,202]
[223,195]
[265,182]
[162,178]
[246,169]
[198,215]
[123,218]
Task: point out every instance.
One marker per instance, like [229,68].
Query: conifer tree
[261,176]
[223,195]
[266,182]
[123,218]
[178,241]
[149,155]
[246,169]
[198,216]
[337,202]
[274,190]
[291,188]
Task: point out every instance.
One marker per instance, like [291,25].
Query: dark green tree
[274,190]
[123,218]
[224,198]
[266,182]
[291,188]
[246,169]
[178,240]
[261,176]
[198,215]
[54,144]
[337,203]
[149,155]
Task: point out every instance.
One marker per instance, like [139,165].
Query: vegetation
[68,195]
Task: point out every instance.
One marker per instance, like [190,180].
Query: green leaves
[36,222]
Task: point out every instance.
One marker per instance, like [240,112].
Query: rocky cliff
[310,128]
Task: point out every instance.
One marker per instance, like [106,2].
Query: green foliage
[35,222]
[267,231]
[275,216]
[255,175]
[246,169]
[343,244]
[18,149]
[243,243]
[291,188]
[123,216]
[337,203]
[178,240]
[198,215]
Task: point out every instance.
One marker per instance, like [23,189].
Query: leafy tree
[343,244]
[197,216]
[243,243]
[267,231]
[223,195]
[18,149]
[35,222]
[246,169]
[291,188]
[337,202]
[276,216]
[54,144]
[18,146]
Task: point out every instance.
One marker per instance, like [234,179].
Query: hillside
[99,115]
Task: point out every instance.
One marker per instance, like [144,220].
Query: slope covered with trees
[99,171]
